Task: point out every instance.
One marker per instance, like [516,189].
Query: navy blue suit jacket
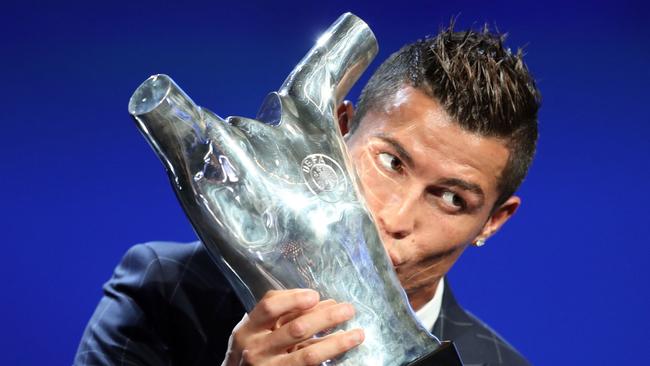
[168,304]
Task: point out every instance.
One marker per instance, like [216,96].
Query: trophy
[276,200]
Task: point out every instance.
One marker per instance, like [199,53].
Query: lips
[395,260]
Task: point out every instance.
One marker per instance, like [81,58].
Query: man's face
[429,184]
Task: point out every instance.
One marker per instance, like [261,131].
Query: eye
[453,200]
[390,162]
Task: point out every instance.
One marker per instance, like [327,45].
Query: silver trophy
[275,199]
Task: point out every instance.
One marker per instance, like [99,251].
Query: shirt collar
[428,314]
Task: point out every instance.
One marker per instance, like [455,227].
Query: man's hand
[280,330]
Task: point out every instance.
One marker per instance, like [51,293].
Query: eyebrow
[464,185]
[403,154]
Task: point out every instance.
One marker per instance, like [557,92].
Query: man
[444,133]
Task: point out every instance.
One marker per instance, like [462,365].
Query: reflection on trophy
[276,200]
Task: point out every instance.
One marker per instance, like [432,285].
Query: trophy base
[445,355]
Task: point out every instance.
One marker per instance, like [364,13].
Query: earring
[479,242]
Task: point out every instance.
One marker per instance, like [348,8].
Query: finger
[252,128]
[328,348]
[278,303]
[269,144]
[272,293]
[224,136]
[311,341]
[307,325]
[174,126]
[294,314]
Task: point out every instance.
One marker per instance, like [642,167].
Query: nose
[397,217]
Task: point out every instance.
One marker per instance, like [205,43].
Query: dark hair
[482,85]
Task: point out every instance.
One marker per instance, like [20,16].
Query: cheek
[442,234]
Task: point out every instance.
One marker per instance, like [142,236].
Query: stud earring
[479,242]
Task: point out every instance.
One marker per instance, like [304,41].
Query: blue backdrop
[565,281]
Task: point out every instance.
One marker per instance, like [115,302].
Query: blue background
[565,281]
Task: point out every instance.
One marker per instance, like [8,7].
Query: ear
[345,114]
[499,217]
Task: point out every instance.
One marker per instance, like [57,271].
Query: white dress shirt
[428,314]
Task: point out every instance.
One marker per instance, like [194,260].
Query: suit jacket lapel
[452,321]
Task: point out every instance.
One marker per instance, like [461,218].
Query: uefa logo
[324,177]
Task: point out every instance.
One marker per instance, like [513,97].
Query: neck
[421,296]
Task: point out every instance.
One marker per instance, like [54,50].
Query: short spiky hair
[484,87]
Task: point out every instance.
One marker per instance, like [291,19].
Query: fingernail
[347,310]
[357,336]
[309,297]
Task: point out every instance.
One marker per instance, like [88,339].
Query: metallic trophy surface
[276,200]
